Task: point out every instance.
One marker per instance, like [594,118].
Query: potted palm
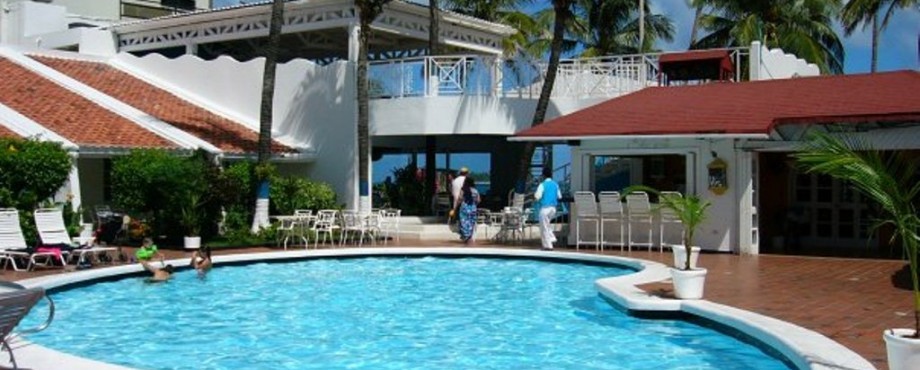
[191,220]
[688,279]
[890,181]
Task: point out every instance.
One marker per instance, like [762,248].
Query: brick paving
[849,300]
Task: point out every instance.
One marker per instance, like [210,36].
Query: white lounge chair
[51,231]
[13,244]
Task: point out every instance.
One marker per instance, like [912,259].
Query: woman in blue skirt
[465,206]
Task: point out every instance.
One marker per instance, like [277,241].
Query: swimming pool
[391,313]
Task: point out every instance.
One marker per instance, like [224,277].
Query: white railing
[490,76]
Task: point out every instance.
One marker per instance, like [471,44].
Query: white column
[191,49]
[743,182]
[353,31]
[754,64]
[76,199]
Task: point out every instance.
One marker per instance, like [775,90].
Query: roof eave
[643,136]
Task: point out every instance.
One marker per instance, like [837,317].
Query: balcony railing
[490,76]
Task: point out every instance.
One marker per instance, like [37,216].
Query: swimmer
[159,274]
[201,260]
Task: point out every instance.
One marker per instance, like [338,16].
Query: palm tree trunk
[260,216]
[368,11]
[875,37]
[694,30]
[561,8]
[434,49]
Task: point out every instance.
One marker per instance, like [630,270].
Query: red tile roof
[745,107]
[693,55]
[70,115]
[5,132]
[223,133]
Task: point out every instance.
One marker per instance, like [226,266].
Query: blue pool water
[382,313]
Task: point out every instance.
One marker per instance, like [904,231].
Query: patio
[849,300]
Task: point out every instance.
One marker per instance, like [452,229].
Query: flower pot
[192,242]
[680,256]
[903,352]
[688,284]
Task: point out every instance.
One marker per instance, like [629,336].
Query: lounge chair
[13,244]
[15,304]
[51,231]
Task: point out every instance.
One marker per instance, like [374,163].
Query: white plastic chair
[611,211]
[389,223]
[13,244]
[324,226]
[586,211]
[51,230]
[667,217]
[638,213]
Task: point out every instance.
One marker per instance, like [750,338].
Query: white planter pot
[680,256]
[192,242]
[903,353]
[688,284]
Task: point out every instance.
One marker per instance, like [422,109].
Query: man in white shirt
[547,197]
[457,184]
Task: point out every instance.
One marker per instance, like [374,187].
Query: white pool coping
[806,349]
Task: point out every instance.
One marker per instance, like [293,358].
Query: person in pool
[159,274]
[148,251]
[201,260]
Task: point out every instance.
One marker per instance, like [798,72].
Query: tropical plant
[888,179]
[265,108]
[31,171]
[368,10]
[610,27]
[801,27]
[191,213]
[507,12]
[689,209]
[866,12]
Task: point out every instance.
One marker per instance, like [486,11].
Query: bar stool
[586,211]
[638,213]
[611,211]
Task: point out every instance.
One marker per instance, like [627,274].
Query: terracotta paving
[849,300]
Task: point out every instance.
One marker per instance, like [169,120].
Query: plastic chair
[667,217]
[638,213]
[14,306]
[611,211]
[586,211]
[13,244]
[325,225]
[51,231]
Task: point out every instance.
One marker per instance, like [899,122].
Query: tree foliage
[31,171]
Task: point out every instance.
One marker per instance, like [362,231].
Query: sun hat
[464,170]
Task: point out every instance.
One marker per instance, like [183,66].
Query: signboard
[718,176]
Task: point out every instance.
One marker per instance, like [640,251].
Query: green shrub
[290,193]
[31,171]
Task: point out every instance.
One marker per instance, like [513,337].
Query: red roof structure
[743,108]
[72,116]
[223,133]
[697,65]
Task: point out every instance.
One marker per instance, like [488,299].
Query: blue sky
[898,49]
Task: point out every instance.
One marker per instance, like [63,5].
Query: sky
[898,49]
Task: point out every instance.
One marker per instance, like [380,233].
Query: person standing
[548,194]
[465,204]
[457,184]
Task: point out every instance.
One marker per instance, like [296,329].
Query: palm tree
[889,180]
[368,10]
[612,27]
[866,12]
[265,113]
[507,12]
[801,27]
[563,12]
